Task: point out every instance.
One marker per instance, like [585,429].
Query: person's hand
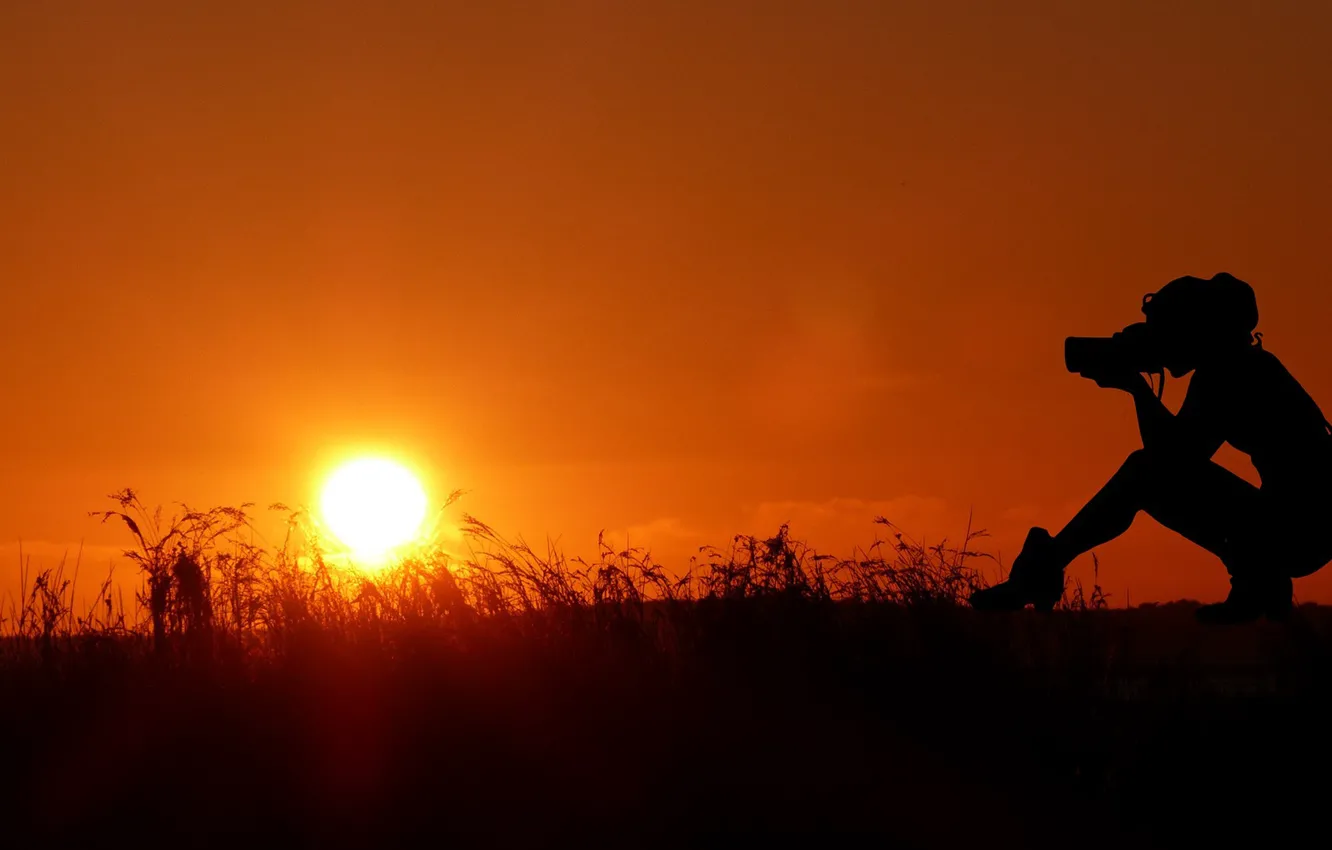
[1118,379]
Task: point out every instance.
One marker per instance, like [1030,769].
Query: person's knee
[1144,465]
[1158,467]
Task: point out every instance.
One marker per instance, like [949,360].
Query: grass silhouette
[509,693]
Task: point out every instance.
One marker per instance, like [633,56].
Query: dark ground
[928,728]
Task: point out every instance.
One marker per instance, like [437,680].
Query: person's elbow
[1189,448]
[1179,444]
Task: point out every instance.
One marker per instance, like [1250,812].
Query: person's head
[1195,320]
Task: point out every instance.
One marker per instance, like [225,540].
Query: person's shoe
[1250,600]
[1034,580]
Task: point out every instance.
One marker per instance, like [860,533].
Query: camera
[1133,349]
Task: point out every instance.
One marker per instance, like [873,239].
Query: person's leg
[1208,505]
[1201,500]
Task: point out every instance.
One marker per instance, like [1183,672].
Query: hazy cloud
[840,524]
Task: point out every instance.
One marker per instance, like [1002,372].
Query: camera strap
[1160,389]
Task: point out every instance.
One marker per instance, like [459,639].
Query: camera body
[1135,349]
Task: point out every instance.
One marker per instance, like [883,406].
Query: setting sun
[373,506]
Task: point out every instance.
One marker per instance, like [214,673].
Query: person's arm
[1156,423]
[1191,433]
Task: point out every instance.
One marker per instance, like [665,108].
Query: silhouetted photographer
[1240,394]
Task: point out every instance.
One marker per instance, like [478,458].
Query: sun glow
[373,506]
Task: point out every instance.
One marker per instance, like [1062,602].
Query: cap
[1222,304]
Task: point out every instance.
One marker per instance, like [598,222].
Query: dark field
[440,705]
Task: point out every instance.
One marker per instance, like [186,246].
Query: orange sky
[687,268]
